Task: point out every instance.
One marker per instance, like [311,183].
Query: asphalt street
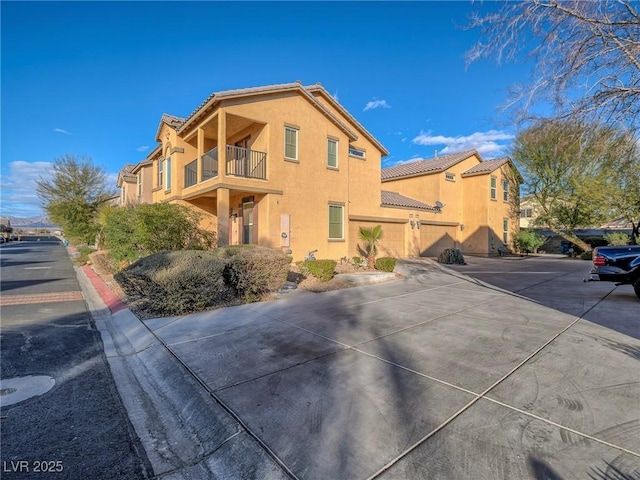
[78,429]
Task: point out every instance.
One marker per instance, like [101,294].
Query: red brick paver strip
[108,297]
[24,299]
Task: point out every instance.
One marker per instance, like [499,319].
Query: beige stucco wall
[294,198]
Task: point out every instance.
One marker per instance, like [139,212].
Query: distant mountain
[31,222]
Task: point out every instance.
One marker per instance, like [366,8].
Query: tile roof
[432,165]
[394,199]
[319,88]
[241,92]
[171,120]
[487,166]
[126,174]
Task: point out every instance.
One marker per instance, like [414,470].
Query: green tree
[130,233]
[528,241]
[566,166]
[371,237]
[73,195]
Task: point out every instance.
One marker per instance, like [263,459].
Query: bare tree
[586,54]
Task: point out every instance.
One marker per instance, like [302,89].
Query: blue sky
[93,78]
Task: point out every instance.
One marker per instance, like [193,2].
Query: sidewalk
[433,376]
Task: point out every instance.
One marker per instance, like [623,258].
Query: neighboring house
[127,183]
[529,211]
[286,166]
[477,201]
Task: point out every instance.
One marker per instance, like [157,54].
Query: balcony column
[223,216]
[222,143]
[200,148]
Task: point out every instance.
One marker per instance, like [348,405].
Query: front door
[247,222]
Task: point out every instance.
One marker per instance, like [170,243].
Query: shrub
[187,281]
[451,256]
[386,264]
[528,241]
[254,272]
[617,238]
[357,261]
[103,261]
[586,255]
[83,254]
[130,233]
[321,269]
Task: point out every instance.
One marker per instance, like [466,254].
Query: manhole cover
[17,389]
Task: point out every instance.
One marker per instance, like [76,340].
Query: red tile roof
[394,199]
[432,165]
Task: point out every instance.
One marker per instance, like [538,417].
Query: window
[160,171]
[505,190]
[139,178]
[167,167]
[336,214]
[450,176]
[332,153]
[526,213]
[494,193]
[505,230]
[291,143]
[356,152]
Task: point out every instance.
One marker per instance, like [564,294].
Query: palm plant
[370,237]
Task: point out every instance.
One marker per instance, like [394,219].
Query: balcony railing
[209,163]
[191,174]
[241,162]
[244,162]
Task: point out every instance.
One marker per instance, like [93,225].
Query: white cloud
[376,104]
[335,96]
[143,148]
[490,143]
[18,188]
[61,130]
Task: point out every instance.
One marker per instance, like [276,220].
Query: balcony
[241,162]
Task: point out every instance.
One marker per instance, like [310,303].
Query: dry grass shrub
[103,263]
[255,272]
[187,281]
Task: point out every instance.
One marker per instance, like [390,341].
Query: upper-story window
[356,152]
[291,143]
[450,176]
[139,180]
[160,173]
[167,168]
[494,188]
[505,190]
[332,153]
[526,213]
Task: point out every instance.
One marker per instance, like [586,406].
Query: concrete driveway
[434,376]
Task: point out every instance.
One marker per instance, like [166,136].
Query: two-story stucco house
[286,166]
[477,201]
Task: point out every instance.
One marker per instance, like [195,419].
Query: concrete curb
[185,432]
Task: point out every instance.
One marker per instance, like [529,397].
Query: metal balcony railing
[241,162]
[244,162]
